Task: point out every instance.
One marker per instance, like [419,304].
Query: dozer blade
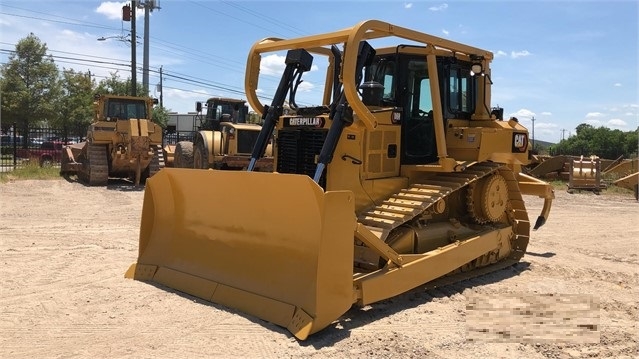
[275,246]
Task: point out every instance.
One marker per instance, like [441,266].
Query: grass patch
[612,189]
[609,189]
[559,184]
[31,171]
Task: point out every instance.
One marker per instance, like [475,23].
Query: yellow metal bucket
[272,245]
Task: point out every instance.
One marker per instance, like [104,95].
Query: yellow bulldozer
[403,175]
[122,141]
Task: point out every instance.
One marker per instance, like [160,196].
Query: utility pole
[149,6]
[134,81]
[563,131]
[161,90]
[533,132]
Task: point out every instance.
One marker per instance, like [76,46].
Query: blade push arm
[297,62]
[340,114]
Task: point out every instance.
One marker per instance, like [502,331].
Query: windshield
[125,109]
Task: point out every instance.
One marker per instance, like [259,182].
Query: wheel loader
[403,176]
[122,141]
[223,139]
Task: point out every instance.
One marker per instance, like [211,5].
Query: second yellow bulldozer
[402,176]
[122,141]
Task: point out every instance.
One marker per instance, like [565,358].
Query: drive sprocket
[487,199]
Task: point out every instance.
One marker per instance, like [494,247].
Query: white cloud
[545,126]
[272,65]
[408,5]
[523,113]
[617,85]
[305,86]
[439,7]
[594,123]
[594,114]
[546,113]
[616,122]
[445,32]
[545,130]
[518,54]
[113,10]
[513,54]
[194,95]
[542,129]
[181,101]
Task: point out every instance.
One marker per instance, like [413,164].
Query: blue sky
[562,62]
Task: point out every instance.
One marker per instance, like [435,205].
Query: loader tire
[200,156]
[183,155]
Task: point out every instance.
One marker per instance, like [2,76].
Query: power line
[77,59]
[70,21]
[59,21]
[276,22]
[196,55]
[233,17]
[165,46]
[187,50]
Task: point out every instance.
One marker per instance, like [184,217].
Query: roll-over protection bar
[350,38]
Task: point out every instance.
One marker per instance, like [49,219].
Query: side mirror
[198,106]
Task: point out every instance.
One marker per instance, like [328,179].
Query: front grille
[298,150]
[245,141]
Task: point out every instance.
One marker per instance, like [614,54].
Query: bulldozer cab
[407,85]
[117,108]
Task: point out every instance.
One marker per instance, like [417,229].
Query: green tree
[30,85]
[254,117]
[76,107]
[161,115]
[116,86]
[601,141]
[631,143]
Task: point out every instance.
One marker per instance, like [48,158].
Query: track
[95,169]
[157,162]
[410,204]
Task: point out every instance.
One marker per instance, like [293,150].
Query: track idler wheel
[488,199]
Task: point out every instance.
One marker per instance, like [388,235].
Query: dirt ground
[64,248]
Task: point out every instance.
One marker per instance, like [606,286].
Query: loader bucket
[272,245]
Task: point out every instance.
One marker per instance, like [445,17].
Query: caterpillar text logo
[520,142]
[304,121]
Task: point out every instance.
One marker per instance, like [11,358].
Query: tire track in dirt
[66,296]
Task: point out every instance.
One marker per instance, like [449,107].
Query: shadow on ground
[357,317]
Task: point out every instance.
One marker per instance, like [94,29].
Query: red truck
[49,152]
